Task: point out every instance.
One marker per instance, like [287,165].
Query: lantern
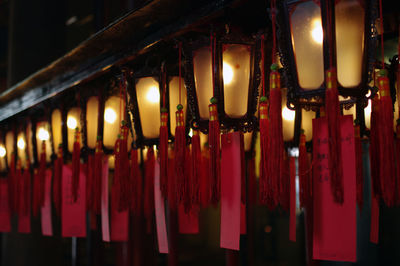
[3,153]
[305,46]
[236,75]
[56,126]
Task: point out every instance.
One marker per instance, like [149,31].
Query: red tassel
[214,146]
[304,172]
[36,193]
[125,191]
[39,182]
[398,161]
[264,121]
[188,182]
[58,163]
[18,188]
[374,148]
[205,189]
[137,184]
[196,167]
[332,109]
[386,147]
[97,176]
[76,154]
[284,184]
[179,154]
[11,185]
[275,139]
[172,195]
[149,186]
[163,147]
[26,190]
[359,167]
[89,184]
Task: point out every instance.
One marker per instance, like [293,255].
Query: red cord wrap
[214,146]
[386,147]
[76,154]
[179,154]
[359,167]
[137,184]
[275,141]
[57,173]
[332,109]
[304,172]
[163,147]
[196,167]
[264,121]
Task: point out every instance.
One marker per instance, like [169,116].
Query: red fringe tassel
[57,172]
[163,147]
[179,153]
[76,154]
[374,148]
[214,146]
[264,121]
[304,172]
[137,184]
[196,167]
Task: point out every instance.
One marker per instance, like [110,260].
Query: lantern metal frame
[246,123]
[313,99]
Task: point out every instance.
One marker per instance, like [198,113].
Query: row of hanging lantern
[216,85]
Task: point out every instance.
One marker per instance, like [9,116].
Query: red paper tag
[73,223]
[47,228]
[231,173]
[5,224]
[119,219]
[374,234]
[243,228]
[160,212]
[292,218]
[188,222]
[24,216]
[105,223]
[334,225]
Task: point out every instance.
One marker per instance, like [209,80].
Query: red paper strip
[188,222]
[243,229]
[5,224]
[231,173]
[47,228]
[105,223]
[374,233]
[334,225]
[292,218]
[119,219]
[160,212]
[73,222]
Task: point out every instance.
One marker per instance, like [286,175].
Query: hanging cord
[329,32]
[382,48]
[263,63]
[180,71]
[273,20]
[213,46]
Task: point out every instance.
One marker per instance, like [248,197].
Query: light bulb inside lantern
[21,144]
[191,133]
[43,134]
[2,151]
[71,122]
[110,115]
[228,73]
[317,33]
[153,95]
[288,114]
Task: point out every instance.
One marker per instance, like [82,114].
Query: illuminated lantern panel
[9,146]
[42,134]
[21,148]
[3,154]
[307,38]
[203,79]
[73,122]
[287,119]
[56,124]
[148,97]
[112,121]
[174,101]
[236,77]
[367,114]
[349,24]
[306,123]
[92,111]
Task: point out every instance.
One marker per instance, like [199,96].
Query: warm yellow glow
[191,133]
[153,95]
[367,114]
[71,122]
[228,73]
[2,151]
[21,143]
[317,33]
[288,114]
[43,134]
[110,115]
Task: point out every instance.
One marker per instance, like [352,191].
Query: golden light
[367,114]
[191,133]
[228,73]
[288,114]
[317,33]
[43,134]
[110,115]
[2,151]
[153,95]
[71,122]
[21,143]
